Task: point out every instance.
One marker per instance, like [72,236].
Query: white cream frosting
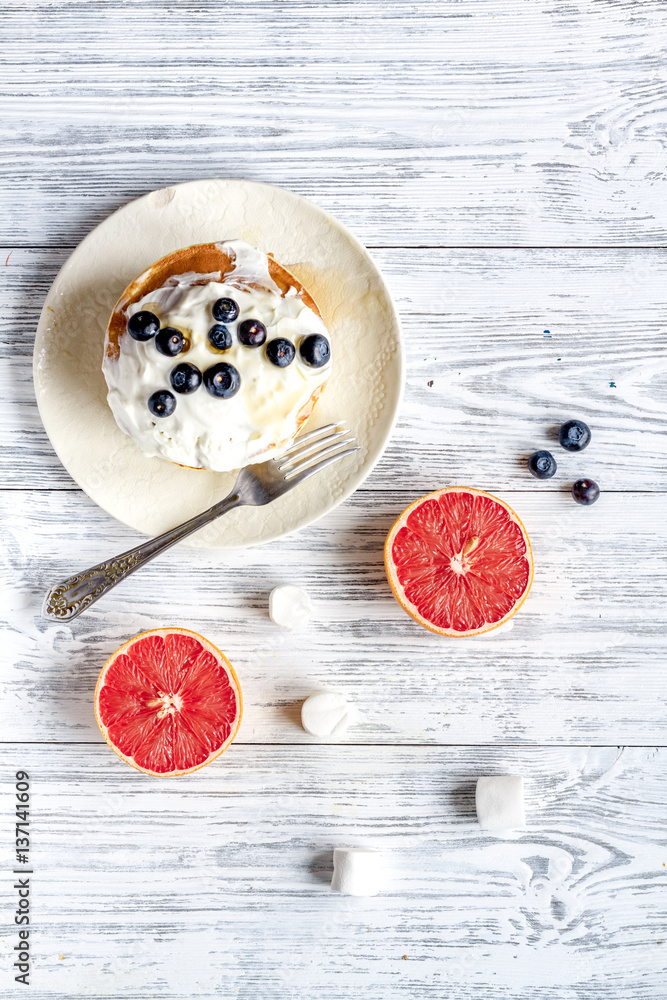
[204,430]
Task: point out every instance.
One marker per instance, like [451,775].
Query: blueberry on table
[252,333]
[162,403]
[542,464]
[222,380]
[143,325]
[585,491]
[225,310]
[185,377]
[574,435]
[219,337]
[170,341]
[314,350]
[280,352]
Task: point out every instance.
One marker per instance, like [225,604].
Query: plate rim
[373,457]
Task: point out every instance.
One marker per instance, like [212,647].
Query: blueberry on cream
[254,337]
[222,380]
[219,337]
[225,310]
[315,350]
[185,378]
[280,352]
[162,403]
[170,342]
[143,325]
[252,333]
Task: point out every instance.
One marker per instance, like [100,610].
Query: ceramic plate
[365,386]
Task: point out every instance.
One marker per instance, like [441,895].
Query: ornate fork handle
[255,486]
[68,599]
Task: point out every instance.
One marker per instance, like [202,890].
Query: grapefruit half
[459,561]
[168,702]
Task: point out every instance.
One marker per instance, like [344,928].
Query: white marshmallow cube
[358,871]
[327,713]
[499,802]
[290,607]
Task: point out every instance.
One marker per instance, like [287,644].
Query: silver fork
[256,485]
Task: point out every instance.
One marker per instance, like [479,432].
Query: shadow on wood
[462,799]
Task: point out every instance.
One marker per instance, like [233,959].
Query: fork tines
[324,446]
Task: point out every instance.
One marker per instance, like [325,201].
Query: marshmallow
[357,871]
[289,607]
[499,802]
[326,713]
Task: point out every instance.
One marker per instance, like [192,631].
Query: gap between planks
[371,491]
[412,246]
[366,746]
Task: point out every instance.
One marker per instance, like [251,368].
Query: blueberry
[185,377]
[222,380]
[585,491]
[252,333]
[162,403]
[170,341]
[574,435]
[143,325]
[280,352]
[219,337]
[314,350]
[225,310]
[542,464]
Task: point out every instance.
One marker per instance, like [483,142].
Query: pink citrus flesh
[459,561]
[168,702]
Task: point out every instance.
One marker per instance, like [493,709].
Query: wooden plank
[415,123]
[428,124]
[582,661]
[501,347]
[225,873]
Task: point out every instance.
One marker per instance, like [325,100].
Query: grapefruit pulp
[168,702]
[459,561]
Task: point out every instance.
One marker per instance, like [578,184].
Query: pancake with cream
[215,357]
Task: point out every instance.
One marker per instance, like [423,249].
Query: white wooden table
[504,160]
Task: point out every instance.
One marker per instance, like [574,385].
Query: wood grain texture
[492,125]
[427,123]
[501,347]
[225,875]
[583,659]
